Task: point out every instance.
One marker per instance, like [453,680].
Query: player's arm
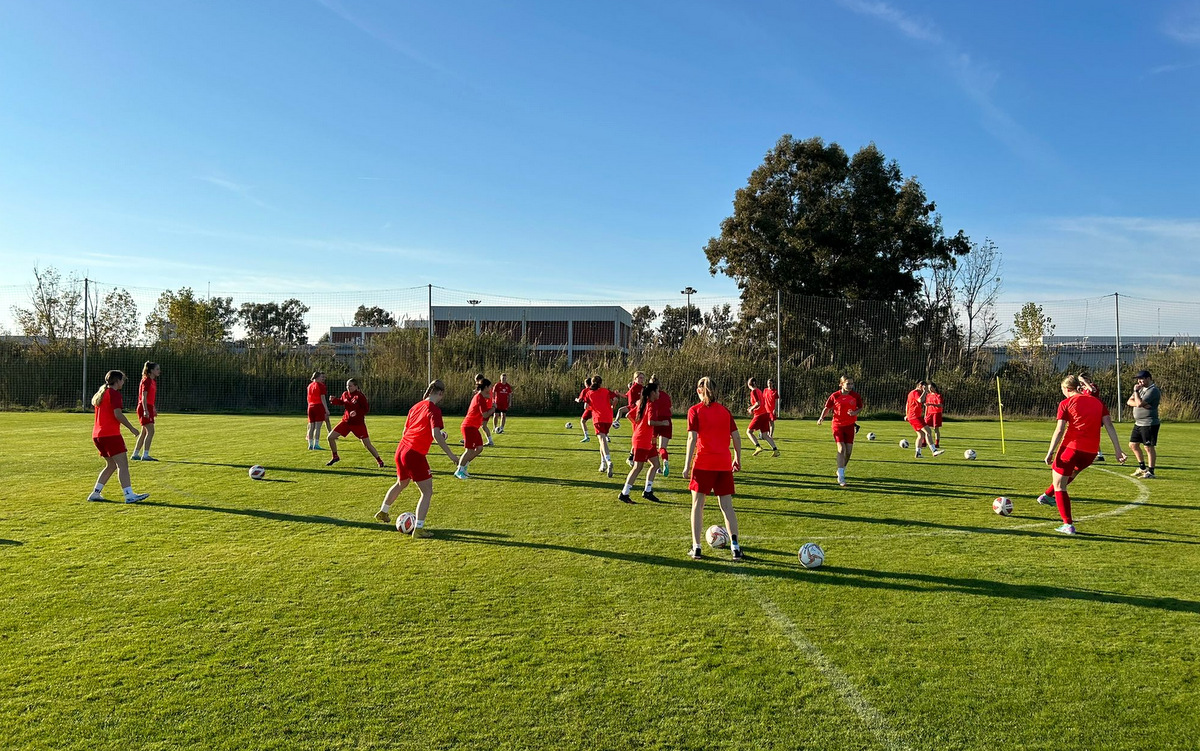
[440,436]
[689,455]
[1055,439]
[1112,436]
[121,418]
[737,449]
[824,412]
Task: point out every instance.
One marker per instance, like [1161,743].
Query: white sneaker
[938,452]
[1067,529]
[95,496]
[136,497]
[918,455]
[586,438]
[1047,500]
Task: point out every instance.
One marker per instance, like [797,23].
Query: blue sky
[518,148]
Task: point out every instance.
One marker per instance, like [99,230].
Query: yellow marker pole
[1000,404]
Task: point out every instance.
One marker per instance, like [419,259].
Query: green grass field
[229,613]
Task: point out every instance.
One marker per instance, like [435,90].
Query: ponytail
[148,368]
[316,374]
[111,379]
[482,385]
[650,388]
[435,387]
[752,383]
[1071,382]
[597,381]
[706,390]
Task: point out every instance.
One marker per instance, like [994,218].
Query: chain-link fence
[230,352]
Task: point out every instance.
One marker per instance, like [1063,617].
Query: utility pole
[84,401]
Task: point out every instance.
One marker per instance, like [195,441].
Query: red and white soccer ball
[406,522]
[717,536]
[811,555]
[1002,506]
[257,472]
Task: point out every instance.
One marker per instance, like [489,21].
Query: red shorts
[472,438]
[501,407]
[110,445]
[587,415]
[142,419]
[412,465]
[663,431]
[843,433]
[316,413]
[359,429]
[917,423]
[712,481]
[643,455]
[934,419]
[760,423]
[602,428]
[1068,461]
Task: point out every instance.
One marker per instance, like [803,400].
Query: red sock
[1049,490]
[662,454]
[1064,505]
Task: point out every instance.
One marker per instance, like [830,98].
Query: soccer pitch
[228,613]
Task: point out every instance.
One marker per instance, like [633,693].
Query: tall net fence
[237,352]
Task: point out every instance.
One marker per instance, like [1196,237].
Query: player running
[845,405]
[587,410]
[354,420]
[147,411]
[106,434]
[914,412]
[487,405]
[502,398]
[1080,416]
[760,420]
[318,410]
[422,427]
[631,396]
[477,416]
[707,463]
[933,413]
[663,431]
[600,401]
[771,401]
[644,422]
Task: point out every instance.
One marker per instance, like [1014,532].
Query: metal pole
[778,348]
[84,400]
[1120,393]
[429,346]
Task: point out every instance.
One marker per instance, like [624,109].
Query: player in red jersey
[1081,417]
[845,404]
[760,419]
[600,401]
[487,406]
[477,416]
[644,420]
[354,420]
[147,411]
[663,430]
[422,427]
[933,413]
[708,464]
[1087,386]
[914,412]
[771,401]
[631,396]
[587,410]
[106,434]
[502,399]
[318,410]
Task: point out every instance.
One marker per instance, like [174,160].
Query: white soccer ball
[870,436]
[569,426]
[1002,506]
[969,454]
[257,472]
[717,536]
[811,555]
[406,522]
[903,443]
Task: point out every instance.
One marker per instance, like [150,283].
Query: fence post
[1120,403]
[778,350]
[429,344]
[84,399]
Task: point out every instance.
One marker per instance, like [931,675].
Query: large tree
[187,319]
[54,317]
[281,323]
[373,316]
[113,321]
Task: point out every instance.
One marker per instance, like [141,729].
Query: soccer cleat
[95,496]
[918,455]
[318,447]
[649,496]
[1067,529]
[1046,500]
[623,498]
[148,458]
[421,532]
[135,458]
[1099,457]
[1148,474]
[1138,473]
[842,482]
[737,555]
[333,461]
[603,466]
[585,439]
[380,462]
[461,474]
[136,497]
[489,443]
[383,516]
[757,449]
[609,470]
[775,453]
[666,469]
[695,553]
[938,452]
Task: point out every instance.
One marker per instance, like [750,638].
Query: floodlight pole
[84,401]
[1120,393]
[473,303]
[778,348]
[429,346]
[688,314]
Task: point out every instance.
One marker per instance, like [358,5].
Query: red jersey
[422,420]
[933,404]
[643,431]
[315,392]
[771,399]
[713,424]
[501,391]
[148,394]
[1085,415]
[583,395]
[634,393]
[106,422]
[600,400]
[356,403]
[758,402]
[474,418]
[842,404]
[912,410]
[661,407]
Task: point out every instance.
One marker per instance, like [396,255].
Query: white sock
[625,490]
[128,492]
[386,507]
[841,473]
[420,523]
[649,487]
[99,487]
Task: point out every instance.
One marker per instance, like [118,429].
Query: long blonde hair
[147,368]
[111,379]
[1071,382]
[706,390]
[435,387]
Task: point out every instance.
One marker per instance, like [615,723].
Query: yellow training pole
[1000,404]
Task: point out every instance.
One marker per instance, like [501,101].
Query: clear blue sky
[518,147]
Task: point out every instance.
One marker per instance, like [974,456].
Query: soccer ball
[406,522]
[903,443]
[969,454]
[569,426]
[870,436]
[811,555]
[257,472]
[717,536]
[1002,506]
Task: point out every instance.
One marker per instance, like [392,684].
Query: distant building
[570,330]
[1099,351]
[355,334]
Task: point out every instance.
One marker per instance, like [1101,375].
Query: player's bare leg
[757,445]
[697,521]
[426,488]
[333,439]
[630,479]
[371,448]
[731,524]
[388,499]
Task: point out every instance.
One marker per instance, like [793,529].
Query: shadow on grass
[11,542]
[314,470]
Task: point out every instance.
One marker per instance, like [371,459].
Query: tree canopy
[373,316]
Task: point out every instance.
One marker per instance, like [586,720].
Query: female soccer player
[771,401]
[933,413]
[631,396]
[760,420]
[477,417]
[587,410]
[600,400]
[422,427]
[106,434]
[663,430]
[1086,386]
[845,404]
[354,420]
[502,397]
[914,412]
[318,410]
[642,418]
[1080,417]
[708,465]
[487,405]
[147,411]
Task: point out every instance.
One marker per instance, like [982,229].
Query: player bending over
[845,404]
[354,420]
[760,420]
[600,401]
[708,464]
[422,427]
[642,417]
[318,410]
[147,411]
[477,416]
[106,434]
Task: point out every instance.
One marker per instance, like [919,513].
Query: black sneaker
[625,499]
[737,555]
[649,496]
[333,461]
